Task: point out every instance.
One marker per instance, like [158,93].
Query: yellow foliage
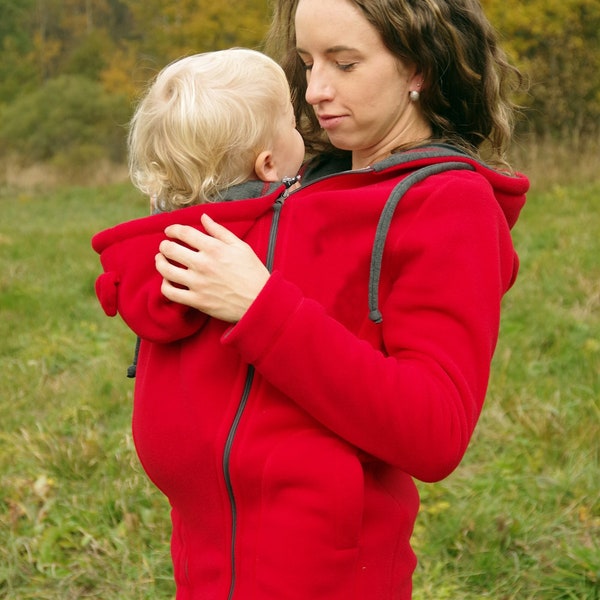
[556,43]
[119,75]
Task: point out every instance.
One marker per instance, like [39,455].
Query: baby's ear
[264,167]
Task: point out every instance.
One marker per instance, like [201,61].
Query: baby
[211,128]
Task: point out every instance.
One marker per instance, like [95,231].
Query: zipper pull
[289,183]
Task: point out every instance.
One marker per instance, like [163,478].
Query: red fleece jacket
[287,443]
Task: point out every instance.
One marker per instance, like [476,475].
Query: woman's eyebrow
[332,50]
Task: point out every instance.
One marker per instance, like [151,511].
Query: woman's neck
[416,135]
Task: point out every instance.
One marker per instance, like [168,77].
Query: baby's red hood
[130,284]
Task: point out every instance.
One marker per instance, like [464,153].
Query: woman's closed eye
[342,66]
[345,66]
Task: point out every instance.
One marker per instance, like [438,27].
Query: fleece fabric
[288,443]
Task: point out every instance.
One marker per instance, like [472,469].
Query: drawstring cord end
[376,316]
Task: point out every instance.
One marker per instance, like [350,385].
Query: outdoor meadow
[518,520]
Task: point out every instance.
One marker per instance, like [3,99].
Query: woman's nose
[318,87]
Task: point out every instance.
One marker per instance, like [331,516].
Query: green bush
[70,116]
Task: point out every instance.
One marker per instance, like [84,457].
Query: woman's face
[357,87]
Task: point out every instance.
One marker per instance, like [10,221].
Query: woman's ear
[416,81]
[264,167]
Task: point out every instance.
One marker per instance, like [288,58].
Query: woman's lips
[330,121]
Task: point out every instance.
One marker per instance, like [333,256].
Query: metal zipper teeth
[244,400]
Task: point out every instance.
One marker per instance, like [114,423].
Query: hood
[130,284]
[422,163]
[509,189]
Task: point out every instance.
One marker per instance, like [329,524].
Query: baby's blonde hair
[202,123]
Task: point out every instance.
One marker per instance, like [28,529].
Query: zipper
[226,458]
[273,232]
[277,205]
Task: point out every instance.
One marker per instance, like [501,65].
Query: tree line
[70,70]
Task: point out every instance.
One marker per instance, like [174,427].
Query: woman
[359,360]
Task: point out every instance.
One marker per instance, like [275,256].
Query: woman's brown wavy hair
[468,81]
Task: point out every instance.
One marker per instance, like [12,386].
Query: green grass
[519,519]
[78,518]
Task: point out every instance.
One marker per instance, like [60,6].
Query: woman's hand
[219,275]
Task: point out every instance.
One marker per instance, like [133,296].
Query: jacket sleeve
[412,399]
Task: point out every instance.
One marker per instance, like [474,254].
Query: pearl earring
[414,95]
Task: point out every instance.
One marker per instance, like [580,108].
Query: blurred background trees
[557,44]
[70,70]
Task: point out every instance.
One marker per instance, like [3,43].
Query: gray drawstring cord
[385,220]
[133,367]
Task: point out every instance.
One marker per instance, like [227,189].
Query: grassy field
[520,519]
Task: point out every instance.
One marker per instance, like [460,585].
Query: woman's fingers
[169,271]
[188,235]
[217,231]
[215,272]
